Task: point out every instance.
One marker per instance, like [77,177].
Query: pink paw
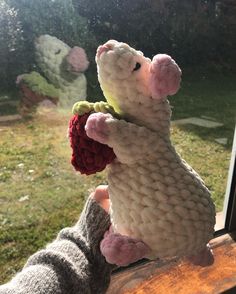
[96,127]
[204,258]
[122,250]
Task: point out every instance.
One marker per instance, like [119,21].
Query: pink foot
[96,127]
[122,250]
[204,258]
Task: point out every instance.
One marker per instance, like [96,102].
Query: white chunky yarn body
[155,196]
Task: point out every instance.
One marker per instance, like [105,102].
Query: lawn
[40,193]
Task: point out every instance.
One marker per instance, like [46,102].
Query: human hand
[102,197]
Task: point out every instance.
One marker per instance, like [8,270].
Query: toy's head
[56,59]
[126,76]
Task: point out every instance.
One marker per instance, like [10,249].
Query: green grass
[7,108]
[209,95]
[214,96]
[208,158]
[35,164]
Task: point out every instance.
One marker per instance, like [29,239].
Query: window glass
[40,79]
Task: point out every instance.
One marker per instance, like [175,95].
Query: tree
[226,17]
[189,30]
[10,38]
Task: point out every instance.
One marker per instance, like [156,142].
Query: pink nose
[103,48]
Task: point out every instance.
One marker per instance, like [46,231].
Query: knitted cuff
[93,223]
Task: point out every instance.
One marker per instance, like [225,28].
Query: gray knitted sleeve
[72,264]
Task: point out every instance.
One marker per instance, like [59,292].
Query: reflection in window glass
[41,79]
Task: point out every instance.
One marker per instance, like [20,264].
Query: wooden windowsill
[181,277]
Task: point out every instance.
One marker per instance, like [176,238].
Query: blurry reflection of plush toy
[64,67]
[62,79]
[160,207]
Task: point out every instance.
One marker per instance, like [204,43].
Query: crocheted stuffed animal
[160,207]
[63,67]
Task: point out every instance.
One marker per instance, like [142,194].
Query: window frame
[229,210]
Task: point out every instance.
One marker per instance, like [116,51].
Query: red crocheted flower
[88,156]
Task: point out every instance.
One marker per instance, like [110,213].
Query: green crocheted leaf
[104,107]
[83,107]
[39,84]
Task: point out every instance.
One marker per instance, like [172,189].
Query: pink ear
[165,76]
[77,60]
